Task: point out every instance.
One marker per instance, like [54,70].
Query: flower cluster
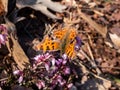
[52,70]
[3,35]
[49,71]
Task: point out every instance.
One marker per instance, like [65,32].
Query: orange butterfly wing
[70,50]
[70,44]
[63,40]
[72,35]
[60,34]
[48,44]
[52,44]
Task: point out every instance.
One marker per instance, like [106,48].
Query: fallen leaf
[42,5]
[14,48]
[18,54]
[115,39]
[5,4]
[1,8]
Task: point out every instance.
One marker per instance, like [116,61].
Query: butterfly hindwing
[70,46]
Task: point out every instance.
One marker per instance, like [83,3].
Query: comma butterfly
[63,40]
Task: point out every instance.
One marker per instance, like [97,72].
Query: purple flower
[64,62]
[58,62]
[60,80]
[20,79]
[3,35]
[17,72]
[54,70]
[66,70]
[42,57]
[20,74]
[40,84]
[53,61]
[3,30]
[78,43]
[47,66]
[70,85]
[63,82]
[2,39]
[64,56]
[65,59]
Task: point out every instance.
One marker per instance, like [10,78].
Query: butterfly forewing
[59,34]
[48,44]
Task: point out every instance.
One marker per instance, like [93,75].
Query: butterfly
[60,39]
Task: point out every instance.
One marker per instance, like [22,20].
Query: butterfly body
[63,40]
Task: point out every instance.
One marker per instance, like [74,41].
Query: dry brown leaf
[3,6]
[3,9]
[100,29]
[115,39]
[19,56]
[42,6]
[17,52]
[14,48]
